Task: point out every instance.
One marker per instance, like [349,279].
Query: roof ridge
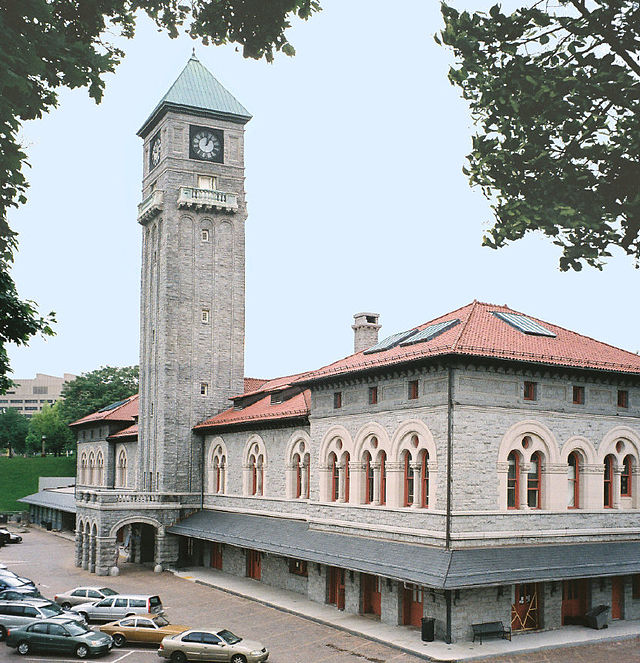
[473,305]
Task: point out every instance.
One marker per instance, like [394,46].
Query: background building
[28,396]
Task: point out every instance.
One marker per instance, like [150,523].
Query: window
[530,391]
[625,477]
[533,481]
[298,567]
[383,477]
[413,390]
[335,485]
[204,316]
[337,400]
[39,390]
[408,479]
[206,182]
[513,481]
[424,480]
[578,395]
[373,395]
[204,388]
[608,482]
[623,398]
[368,473]
[574,481]
[347,479]
[204,235]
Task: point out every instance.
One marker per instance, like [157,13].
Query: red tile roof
[131,431]
[262,410]
[482,334]
[275,384]
[127,411]
[251,384]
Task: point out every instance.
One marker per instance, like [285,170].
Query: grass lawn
[19,477]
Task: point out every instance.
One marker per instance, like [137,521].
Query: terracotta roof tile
[262,410]
[127,411]
[252,384]
[131,431]
[482,334]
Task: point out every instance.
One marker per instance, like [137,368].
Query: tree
[94,390]
[13,431]
[48,426]
[554,89]
[49,44]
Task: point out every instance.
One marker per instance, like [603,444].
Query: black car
[13,582]
[9,537]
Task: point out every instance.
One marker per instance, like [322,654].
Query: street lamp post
[44,439]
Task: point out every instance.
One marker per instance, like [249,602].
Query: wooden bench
[491,628]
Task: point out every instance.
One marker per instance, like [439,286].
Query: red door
[216,556]
[617,592]
[524,612]
[412,609]
[254,569]
[370,594]
[336,587]
[574,601]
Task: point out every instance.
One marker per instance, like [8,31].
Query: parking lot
[48,560]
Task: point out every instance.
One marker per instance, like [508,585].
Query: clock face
[206,144]
[154,151]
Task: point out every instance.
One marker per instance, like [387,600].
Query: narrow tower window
[204,388]
[204,235]
[205,315]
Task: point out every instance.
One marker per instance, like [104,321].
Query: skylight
[524,324]
[389,342]
[113,406]
[430,332]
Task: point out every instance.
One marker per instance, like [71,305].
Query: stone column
[341,467]
[325,474]
[615,488]
[352,592]
[390,598]
[417,485]
[106,555]
[358,482]
[304,481]
[555,480]
[524,471]
[591,488]
[376,483]
[85,551]
[395,480]
[166,551]
[92,553]
[503,471]
[78,548]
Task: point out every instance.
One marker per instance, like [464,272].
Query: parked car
[60,636]
[211,645]
[12,582]
[148,629]
[16,614]
[10,537]
[20,594]
[81,594]
[4,537]
[119,606]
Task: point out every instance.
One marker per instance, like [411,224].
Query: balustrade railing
[189,196]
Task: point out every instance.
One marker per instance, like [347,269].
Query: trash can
[48,525]
[597,617]
[3,518]
[428,629]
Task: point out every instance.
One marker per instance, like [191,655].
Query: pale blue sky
[356,201]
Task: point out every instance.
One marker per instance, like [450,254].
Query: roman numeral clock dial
[206,144]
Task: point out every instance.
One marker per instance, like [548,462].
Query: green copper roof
[196,90]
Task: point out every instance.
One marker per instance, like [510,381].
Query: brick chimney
[365,330]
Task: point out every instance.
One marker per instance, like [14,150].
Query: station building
[481,466]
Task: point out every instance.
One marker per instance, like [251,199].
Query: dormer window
[277,398]
[207,182]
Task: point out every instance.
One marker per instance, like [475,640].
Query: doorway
[574,601]
[617,597]
[524,611]
[412,604]
[216,556]
[336,587]
[254,564]
[370,594]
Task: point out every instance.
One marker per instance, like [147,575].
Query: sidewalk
[403,638]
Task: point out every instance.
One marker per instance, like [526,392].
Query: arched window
[121,472]
[306,468]
[608,482]
[219,463]
[383,477]
[92,465]
[574,480]
[408,479]
[298,471]
[83,468]
[335,483]
[253,470]
[369,495]
[424,480]
[100,472]
[513,481]
[347,479]
[625,477]
[260,475]
[534,481]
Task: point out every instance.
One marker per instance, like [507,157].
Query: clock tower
[193,215]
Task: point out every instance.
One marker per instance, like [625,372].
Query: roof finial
[193,54]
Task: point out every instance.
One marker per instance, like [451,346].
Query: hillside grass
[19,477]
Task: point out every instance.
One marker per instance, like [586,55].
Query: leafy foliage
[49,423]
[554,89]
[13,431]
[49,44]
[94,390]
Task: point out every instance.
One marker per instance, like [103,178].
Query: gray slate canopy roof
[196,90]
[428,566]
[62,500]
